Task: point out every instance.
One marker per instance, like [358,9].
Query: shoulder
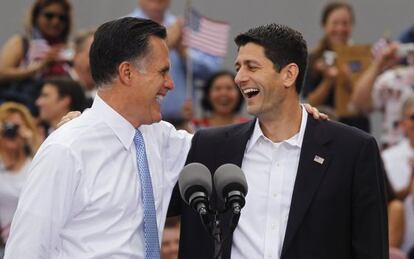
[78,132]
[343,135]
[14,44]
[396,150]
[224,130]
[165,132]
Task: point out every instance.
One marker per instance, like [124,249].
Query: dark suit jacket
[338,208]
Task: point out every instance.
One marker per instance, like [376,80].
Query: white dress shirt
[397,164]
[83,199]
[270,170]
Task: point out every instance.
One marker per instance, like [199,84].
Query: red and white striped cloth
[206,35]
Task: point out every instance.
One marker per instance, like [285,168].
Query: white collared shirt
[270,170]
[83,199]
[397,164]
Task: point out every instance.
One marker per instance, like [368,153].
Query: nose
[38,101]
[240,78]
[169,84]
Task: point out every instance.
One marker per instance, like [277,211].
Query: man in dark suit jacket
[328,200]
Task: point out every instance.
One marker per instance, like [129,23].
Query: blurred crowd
[45,73]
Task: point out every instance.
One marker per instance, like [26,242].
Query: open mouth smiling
[251,92]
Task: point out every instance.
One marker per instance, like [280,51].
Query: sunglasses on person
[50,15]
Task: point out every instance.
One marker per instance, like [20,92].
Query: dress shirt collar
[122,128]
[295,141]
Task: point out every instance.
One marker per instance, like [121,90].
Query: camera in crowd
[10,130]
[329,57]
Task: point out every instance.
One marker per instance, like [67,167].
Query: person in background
[58,97]
[170,238]
[384,87]
[81,71]
[399,159]
[338,21]
[203,65]
[319,89]
[221,100]
[19,141]
[38,54]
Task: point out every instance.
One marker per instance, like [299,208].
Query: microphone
[195,187]
[231,186]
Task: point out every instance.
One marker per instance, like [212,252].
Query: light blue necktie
[152,247]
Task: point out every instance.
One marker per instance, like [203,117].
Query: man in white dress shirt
[85,196]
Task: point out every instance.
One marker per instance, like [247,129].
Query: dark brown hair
[332,6]
[37,9]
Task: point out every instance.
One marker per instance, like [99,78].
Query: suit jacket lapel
[234,144]
[313,162]
[232,151]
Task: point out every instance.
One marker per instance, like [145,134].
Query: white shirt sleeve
[177,145]
[45,204]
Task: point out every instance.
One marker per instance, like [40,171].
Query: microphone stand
[211,223]
[217,235]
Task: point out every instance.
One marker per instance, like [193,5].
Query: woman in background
[41,52]
[337,21]
[221,102]
[19,140]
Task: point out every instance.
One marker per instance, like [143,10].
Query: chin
[252,111]
[156,118]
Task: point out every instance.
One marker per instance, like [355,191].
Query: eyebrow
[249,62]
[165,69]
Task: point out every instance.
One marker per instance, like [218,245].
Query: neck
[84,79]
[411,141]
[217,119]
[282,124]
[115,98]
[13,161]
[155,16]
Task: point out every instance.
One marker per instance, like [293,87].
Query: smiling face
[258,80]
[151,82]
[224,95]
[338,26]
[52,20]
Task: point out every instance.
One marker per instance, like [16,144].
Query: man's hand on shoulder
[315,112]
[68,117]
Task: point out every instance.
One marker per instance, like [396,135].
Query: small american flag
[319,159]
[206,35]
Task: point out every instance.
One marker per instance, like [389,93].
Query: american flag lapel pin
[318,159]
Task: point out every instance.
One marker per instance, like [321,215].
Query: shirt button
[273,227]
[275,195]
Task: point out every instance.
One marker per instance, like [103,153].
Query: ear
[125,74]
[289,75]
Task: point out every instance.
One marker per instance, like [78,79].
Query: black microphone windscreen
[194,177]
[229,177]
